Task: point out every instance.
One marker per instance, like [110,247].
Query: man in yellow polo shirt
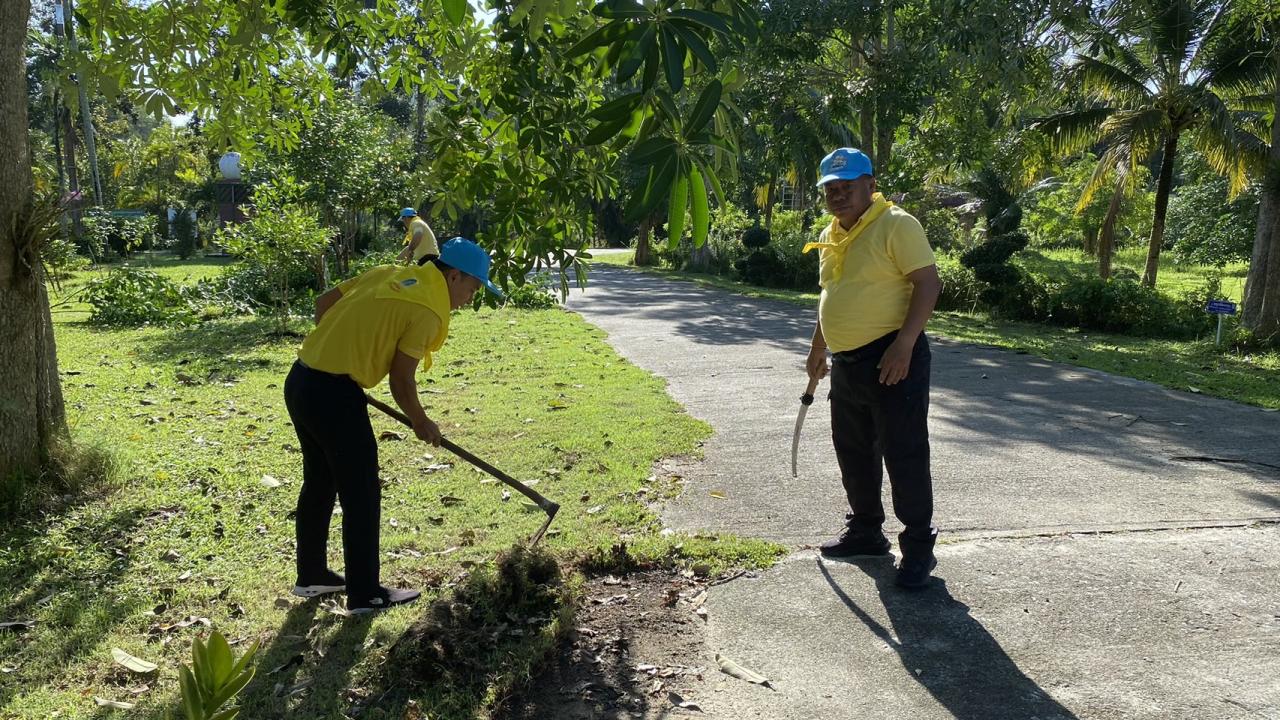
[879,285]
[419,241]
[385,322]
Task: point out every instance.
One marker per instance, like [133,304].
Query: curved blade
[805,401]
[795,439]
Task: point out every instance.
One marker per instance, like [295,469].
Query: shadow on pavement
[948,652]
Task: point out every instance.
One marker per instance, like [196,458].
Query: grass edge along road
[197,531]
[1195,366]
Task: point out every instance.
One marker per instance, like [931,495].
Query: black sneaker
[856,542]
[330,582]
[913,572]
[385,598]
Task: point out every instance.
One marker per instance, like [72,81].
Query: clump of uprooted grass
[485,638]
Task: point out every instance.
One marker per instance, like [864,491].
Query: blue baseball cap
[408,212]
[844,164]
[471,259]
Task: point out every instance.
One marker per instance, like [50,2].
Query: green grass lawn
[196,532]
[1173,279]
[1195,366]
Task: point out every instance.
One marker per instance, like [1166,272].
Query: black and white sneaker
[385,598]
[332,582]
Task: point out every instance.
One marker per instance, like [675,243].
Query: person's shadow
[948,652]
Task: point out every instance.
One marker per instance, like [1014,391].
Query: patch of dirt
[633,646]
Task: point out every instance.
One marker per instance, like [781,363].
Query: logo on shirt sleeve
[408,282]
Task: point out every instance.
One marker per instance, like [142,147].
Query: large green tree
[525,130]
[1260,19]
[1149,74]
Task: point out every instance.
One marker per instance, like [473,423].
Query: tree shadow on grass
[222,349]
[950,653]
[69,591]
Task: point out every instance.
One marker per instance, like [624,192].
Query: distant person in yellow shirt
[879,285]
[383,322]
[419,241]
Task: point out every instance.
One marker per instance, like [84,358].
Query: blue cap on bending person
[844,164]
[408,212]
[470,258]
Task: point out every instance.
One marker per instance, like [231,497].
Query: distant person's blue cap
[844,164]
[471,259]
[408,212]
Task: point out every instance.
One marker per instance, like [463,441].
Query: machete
[805,401]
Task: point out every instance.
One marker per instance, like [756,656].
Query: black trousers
[339,461]
[876,426]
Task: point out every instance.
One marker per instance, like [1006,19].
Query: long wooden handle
[547,505]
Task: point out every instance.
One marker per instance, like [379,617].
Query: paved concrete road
[1170,613]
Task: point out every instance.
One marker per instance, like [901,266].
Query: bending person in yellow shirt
[419,241]
[879,285]
[384,322]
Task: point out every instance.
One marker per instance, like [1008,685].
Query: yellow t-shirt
[427,244]
[872,294]
[388,308]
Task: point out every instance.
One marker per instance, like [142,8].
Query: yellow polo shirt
[388,308]
[872,294]
[427,244]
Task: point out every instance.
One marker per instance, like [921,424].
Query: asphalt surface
[1107,547]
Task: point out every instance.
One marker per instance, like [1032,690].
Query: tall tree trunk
[643,255]
[31,409]
[1262,286]
[884,126]
[1163,187]
[73,171]
[1107,235]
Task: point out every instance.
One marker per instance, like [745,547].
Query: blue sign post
[1220,308]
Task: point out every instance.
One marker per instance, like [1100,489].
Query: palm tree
[1150,73]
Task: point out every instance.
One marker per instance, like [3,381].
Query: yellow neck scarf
[833,268]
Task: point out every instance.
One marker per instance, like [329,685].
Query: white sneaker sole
[310,591]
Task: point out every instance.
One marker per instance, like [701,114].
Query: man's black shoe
[856,543]
[913,572]
[382,599]
[330,582]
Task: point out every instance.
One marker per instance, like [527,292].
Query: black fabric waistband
[874,349]
[303,366]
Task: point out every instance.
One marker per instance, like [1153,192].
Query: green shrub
[756,237]
[960,287]
[131,296]
[245,287]
[534,294]
[184,233]
[60,257]
[282,238]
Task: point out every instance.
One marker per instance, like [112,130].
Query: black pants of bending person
[877,427]
[339,461]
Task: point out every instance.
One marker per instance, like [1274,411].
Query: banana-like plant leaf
[603,35]
[620,9]
[698,207]
[632,61]
[616,108]
[646,152]
[703,18]
[704,109]
[696,45]
[673,59]
[675,211]
[454,10]
[606,130]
